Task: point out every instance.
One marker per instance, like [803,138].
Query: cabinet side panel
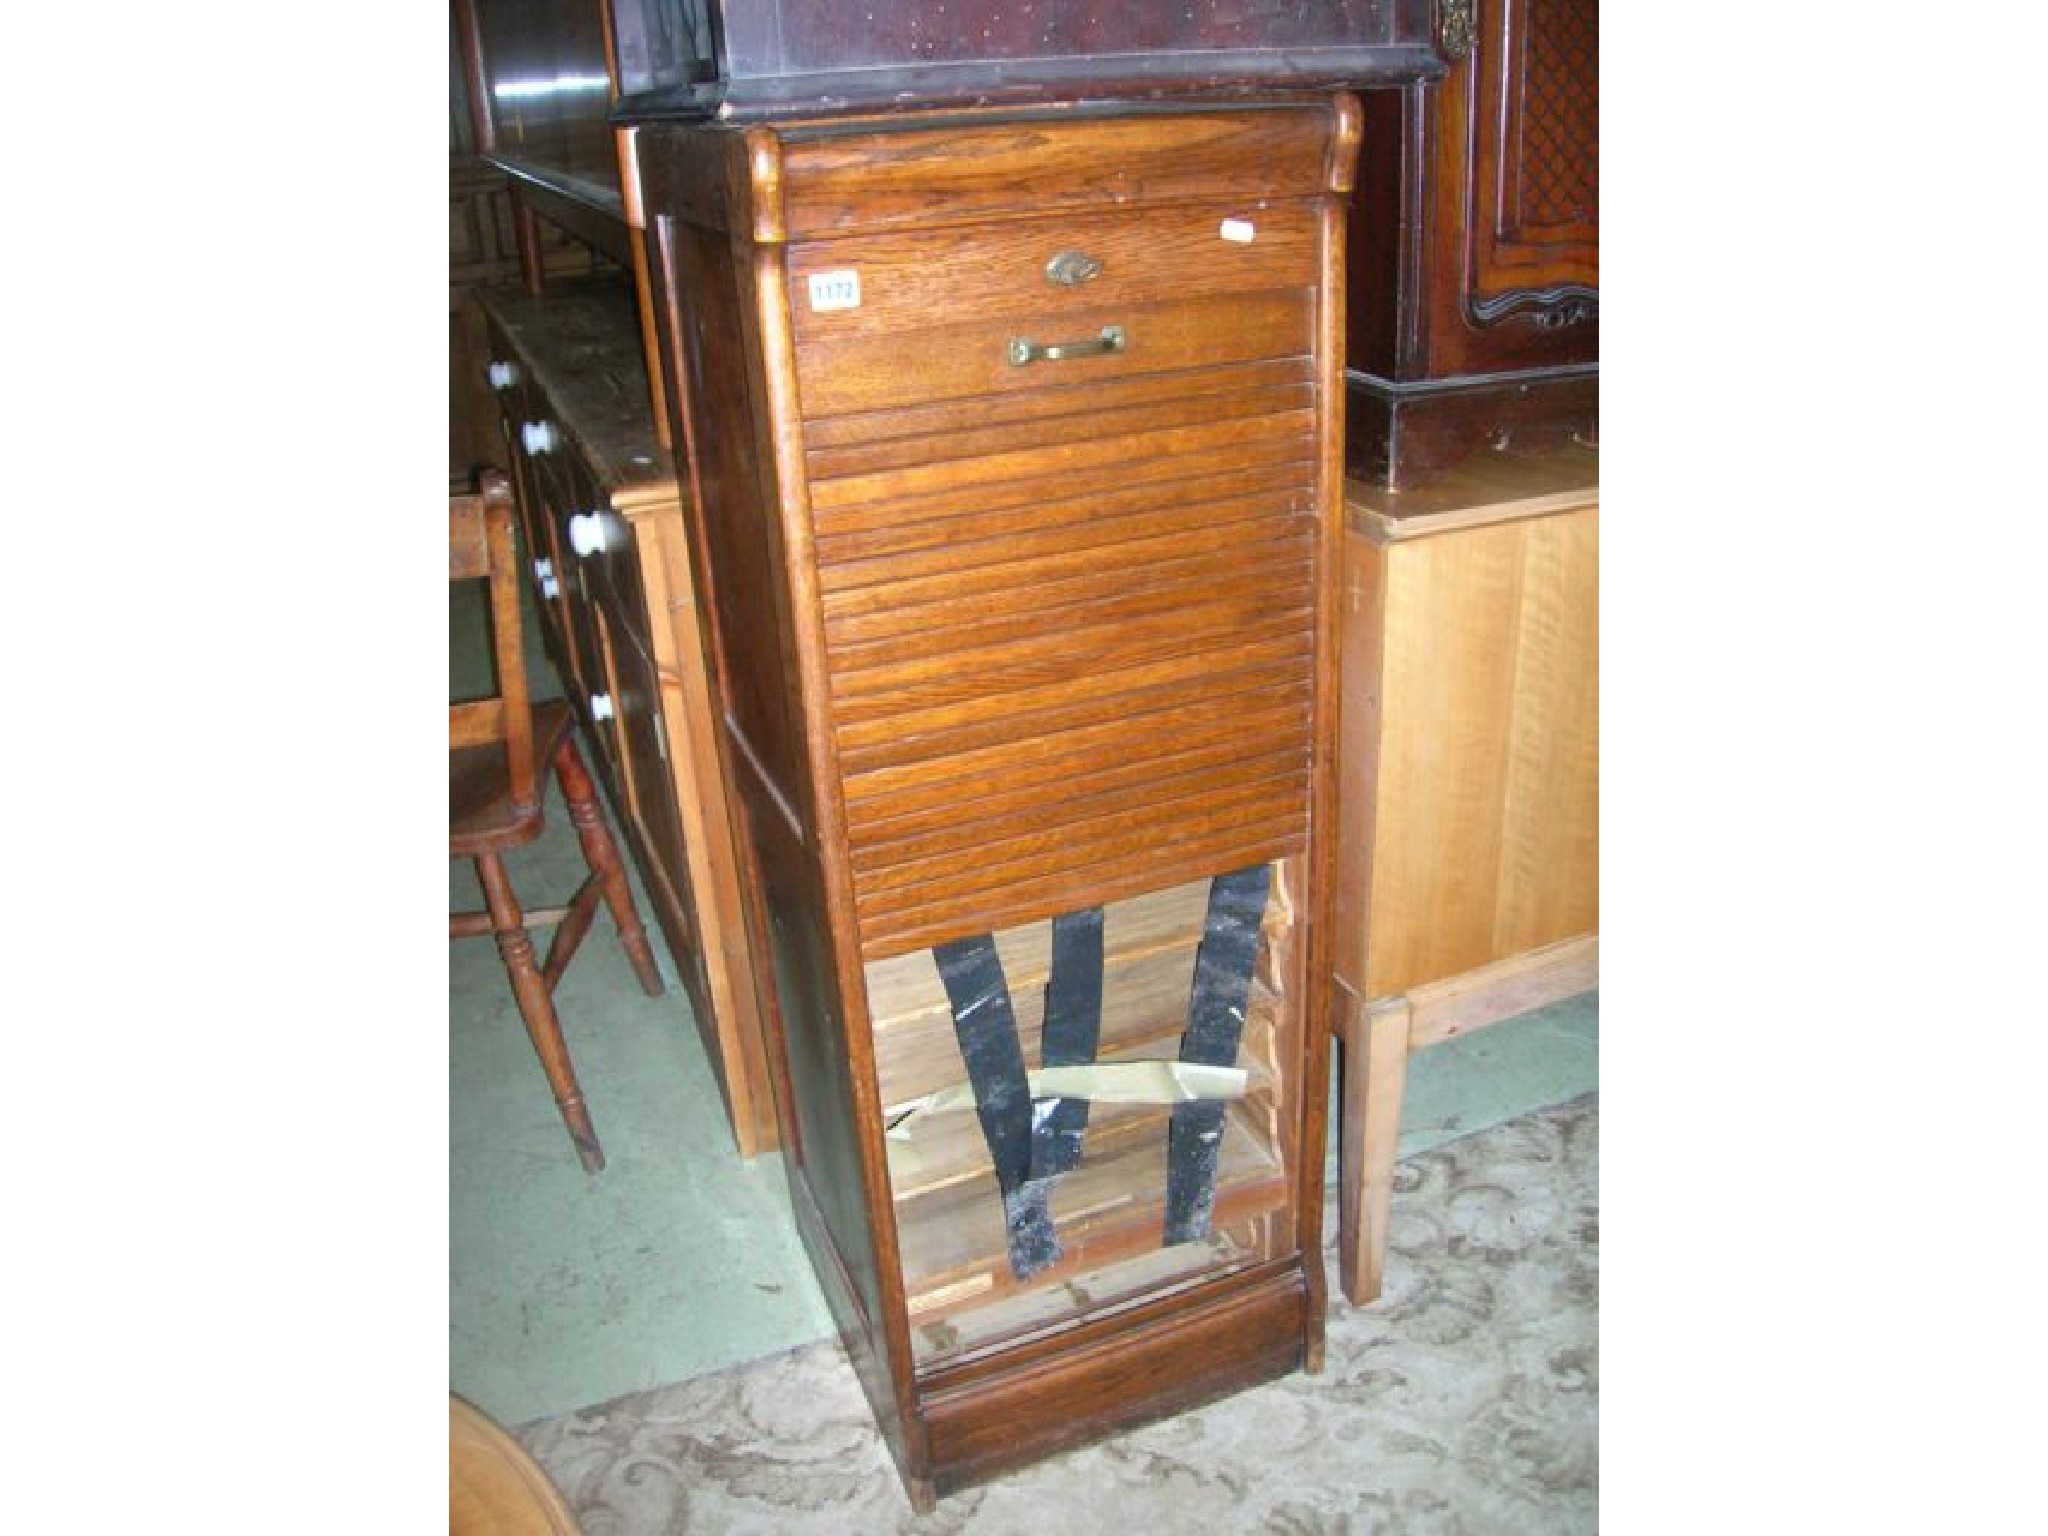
[1364,621]
[1486,841]
[750,610]
[713,360]
[702,799]
[752,642]
[1452,606]
[1319,899]
[1381,234]
[824,1151]
[1550,854]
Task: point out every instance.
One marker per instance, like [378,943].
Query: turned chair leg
[537,1008]
[602,855]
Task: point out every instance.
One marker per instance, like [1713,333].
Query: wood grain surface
[494,1487]
[1483,719]
[1003,640]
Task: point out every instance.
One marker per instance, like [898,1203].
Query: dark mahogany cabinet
[1473,291]
[735,59]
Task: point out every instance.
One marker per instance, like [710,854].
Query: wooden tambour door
[1013,438]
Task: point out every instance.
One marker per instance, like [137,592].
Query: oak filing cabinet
[1012,450]
[602,523]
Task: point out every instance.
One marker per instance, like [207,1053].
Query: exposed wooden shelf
[949,1147]
[1111,1207]
[943,1339]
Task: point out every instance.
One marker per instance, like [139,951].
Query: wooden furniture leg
[1379,1037]
[1375,1042]
[606,868]
[537,1007]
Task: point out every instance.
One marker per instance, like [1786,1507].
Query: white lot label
[835,290]
[1237,231]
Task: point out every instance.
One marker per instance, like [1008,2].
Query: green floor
[566,1290]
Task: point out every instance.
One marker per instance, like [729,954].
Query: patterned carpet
[1464,1403]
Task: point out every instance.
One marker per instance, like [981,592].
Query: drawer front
[845,180]
[1070,631]
[638,738]
[890,321]
[978,358]
[515,396]
[538,484]
[598,615]
[521,403]
[607,735]
[566,489]
[614,571]
[537,542]
[1046,271]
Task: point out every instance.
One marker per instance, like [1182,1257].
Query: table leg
[1375,1044]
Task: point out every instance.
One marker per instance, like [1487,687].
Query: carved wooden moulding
[1474,287]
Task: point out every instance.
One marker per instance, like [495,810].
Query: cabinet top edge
[813,178]
[580,345]
[818,125]
[1486,490]
[1124,80]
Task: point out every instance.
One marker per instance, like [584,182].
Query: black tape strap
[986,1026]
[1073,1029]
[1216,1005]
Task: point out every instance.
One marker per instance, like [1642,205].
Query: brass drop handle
[1023,351]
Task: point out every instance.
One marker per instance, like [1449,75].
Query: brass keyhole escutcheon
[1070,269]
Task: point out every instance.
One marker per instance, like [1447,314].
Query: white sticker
[835,290]
[1236,231]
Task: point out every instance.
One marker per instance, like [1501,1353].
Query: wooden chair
[495,747]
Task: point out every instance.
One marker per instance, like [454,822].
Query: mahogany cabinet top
[553,73]
[757,58]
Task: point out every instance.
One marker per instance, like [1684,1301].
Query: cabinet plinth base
[984,1418]
[1400,436]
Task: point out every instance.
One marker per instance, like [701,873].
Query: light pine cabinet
[1470,877]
